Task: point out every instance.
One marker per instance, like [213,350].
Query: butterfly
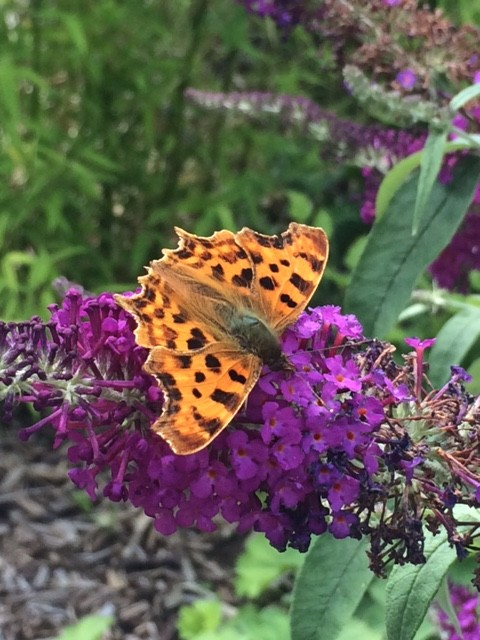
[211,313]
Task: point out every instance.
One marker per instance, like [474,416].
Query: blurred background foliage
[101,154]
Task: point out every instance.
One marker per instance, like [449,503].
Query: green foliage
[260,565]
[101,155]
[411,589]
[199,619]
[270,623]
[329,587]
[454,341]
[88,628]
[258,569]
[394,258]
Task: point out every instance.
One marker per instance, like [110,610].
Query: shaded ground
[60,560]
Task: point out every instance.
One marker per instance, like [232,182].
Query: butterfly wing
[287,270]
[203,392]
[189,292]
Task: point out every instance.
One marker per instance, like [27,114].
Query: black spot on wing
[244,279]
[227,398]
[149,293]
[196,393]
[174,393]
[198,339]
[211,362]
[316,264]
[210,425]
[178,318]
[275,242]
[236,377]
[184,254]
[159,313]
[274,268]
[199,376]
[268,283]
[299,283]
[185,361]
[240,254]
[217,272]
[286,299]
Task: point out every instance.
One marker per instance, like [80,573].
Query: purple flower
[419,346]
[406,79]
[332,444]
[466,605]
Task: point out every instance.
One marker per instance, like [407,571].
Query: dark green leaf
[393,259]
[454,340]
[411,589]
[329,587]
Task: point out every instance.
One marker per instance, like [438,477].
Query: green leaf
[199,617]
[76,31]
[88,628]
[356,629]
[270,623]
[322,218]
[431,162]
[393,259]
[9,94]
[464,96]
[329,587]
[393,181]
[260,564]
[399,173]
[300,206]
[454,340]
[411,588]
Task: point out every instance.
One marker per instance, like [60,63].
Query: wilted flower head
[332,445]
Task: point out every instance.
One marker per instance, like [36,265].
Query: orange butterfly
[211,313]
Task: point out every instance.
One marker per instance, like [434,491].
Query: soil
[62,557]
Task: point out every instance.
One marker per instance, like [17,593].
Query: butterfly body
[211,312]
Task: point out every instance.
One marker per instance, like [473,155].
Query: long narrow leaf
[393,259]
[411,589]
[465,95]
[430,165]
[454,340]
[399,173]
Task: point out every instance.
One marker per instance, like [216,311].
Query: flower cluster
[403,46]
[347,441]
[466,606]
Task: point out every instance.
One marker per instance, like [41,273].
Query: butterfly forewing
[288,269]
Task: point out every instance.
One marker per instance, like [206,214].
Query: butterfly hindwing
[203,391]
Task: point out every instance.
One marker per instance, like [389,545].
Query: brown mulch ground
[60,561]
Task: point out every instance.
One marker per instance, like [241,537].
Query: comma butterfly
[211,313]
